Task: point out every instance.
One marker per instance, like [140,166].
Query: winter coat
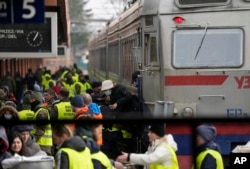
[5,145]
[123,98]
[75,143]
[11,109]
[157,153]
[32,147]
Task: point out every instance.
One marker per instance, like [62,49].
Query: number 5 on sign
[28,5]
[28,11]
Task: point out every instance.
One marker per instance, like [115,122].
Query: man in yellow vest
[89,133]
[72,151]
[81,86]
[42,131]
[208,152]
[25,113]
[161,152]
[62,110]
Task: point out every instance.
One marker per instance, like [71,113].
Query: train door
[151,70]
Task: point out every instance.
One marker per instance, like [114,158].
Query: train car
[192,56]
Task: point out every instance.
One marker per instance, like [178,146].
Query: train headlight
[188,112]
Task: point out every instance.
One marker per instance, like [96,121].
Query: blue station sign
[22,11]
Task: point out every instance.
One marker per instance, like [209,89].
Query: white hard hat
[107,84]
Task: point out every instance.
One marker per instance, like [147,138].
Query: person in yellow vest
[81,86]
[68,83]
[72,151]
[26,113]
[89,133]
[42,131]
[62,110]
[161,152]
[208,151]
[45,77]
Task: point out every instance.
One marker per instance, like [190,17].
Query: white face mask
[8,116]
[107,93]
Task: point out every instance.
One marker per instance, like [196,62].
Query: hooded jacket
[3,146]
[11,109]
[157,153]
[75,143]
[209,161]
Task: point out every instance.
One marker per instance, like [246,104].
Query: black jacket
[209,161]
[75,143]
[123,98]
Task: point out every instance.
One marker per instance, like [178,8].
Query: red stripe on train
[195,80]
[179,128]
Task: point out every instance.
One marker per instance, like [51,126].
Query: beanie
[21,128]
[36,96]
[207,132]
[158,129]
[96,84]
[77,101]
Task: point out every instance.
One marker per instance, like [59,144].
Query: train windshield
[218,48]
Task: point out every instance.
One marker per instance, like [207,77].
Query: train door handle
[218,96]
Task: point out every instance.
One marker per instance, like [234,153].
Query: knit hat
[207,132]
[36,96]
[77,101]
[158,129]
[96,84]
[11,103]
[21,128]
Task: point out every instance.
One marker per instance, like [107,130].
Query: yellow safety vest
[174,162]
[83,87]
[44,78]
[63,74]
[125,134]
[75,77]
[70,88]
[103,159]
[47,82]
[214,153]
[65,111]
[46,139]
[26,115]
[78,160]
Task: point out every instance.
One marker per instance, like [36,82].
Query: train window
[150,50]
[198,3]
[149,20]
[211,48]
[153,49]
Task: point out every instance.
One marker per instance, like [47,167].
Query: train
[192,56]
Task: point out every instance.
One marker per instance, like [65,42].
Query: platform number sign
[22,11]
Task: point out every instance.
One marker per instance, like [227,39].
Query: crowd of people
[70,95]
[113,99]
[76,147]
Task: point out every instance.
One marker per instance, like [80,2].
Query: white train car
[193,56]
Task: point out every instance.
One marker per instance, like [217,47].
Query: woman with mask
[8,113]
[117,97]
